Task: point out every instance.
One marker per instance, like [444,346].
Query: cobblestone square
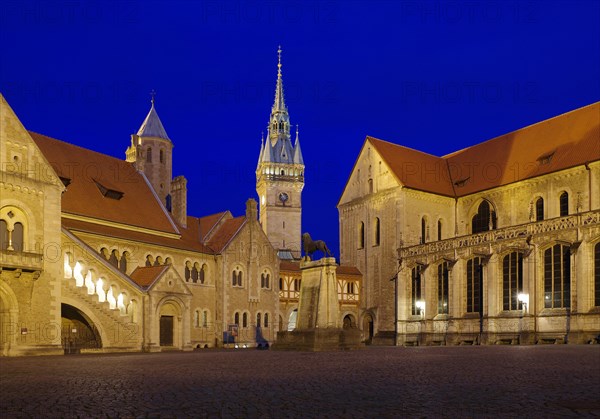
[486,381]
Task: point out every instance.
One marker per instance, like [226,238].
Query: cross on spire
[152,95]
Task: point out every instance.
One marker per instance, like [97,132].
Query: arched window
[484,220]
[443,274]
[195,273]
[123,263]
[564,204]
[474,284]
[149,155]
[188,272]
[157,261]
[17,237]
[439,229]
[370,185]
[416,289]
[161,155]
[361,235]
[114,259]
[148,260]
[205,318]
[236,278]
[236,318]
[377,232]
[597,274]
[423,230]
[245,320]
[268,279]
[557,277]
[203,273]
[258,319]
[3,235]
[266,321]
[512,281]
[539,209]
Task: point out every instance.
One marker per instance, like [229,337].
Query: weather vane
[152,94]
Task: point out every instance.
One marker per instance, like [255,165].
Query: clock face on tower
[283,197]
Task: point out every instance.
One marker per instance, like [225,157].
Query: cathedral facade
[496,243]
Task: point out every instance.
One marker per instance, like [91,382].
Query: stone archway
[349,321]
[78,331]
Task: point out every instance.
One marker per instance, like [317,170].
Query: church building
[495,243]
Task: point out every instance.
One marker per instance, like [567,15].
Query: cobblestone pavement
[487,381]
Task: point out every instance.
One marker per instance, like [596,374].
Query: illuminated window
[416,289]
[443,274]
[512,281]
[474,284]
[557,277]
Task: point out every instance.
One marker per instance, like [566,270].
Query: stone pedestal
[318,323]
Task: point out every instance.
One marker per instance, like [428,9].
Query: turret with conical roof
[280,177]
[151,152]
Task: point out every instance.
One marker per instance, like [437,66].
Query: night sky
[436,76]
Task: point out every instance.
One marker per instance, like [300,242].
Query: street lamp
[524,299]
[420,304]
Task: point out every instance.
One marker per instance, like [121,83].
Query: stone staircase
[117,330]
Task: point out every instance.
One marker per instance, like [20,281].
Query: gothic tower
[280,179]
[151,152]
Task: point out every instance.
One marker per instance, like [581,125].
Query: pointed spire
[152,127]
[279,105]
[267,155]
[298,159]
[262,148]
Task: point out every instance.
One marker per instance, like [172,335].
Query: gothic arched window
[564,204]
[557,276]
[512,281]
[539,209]
[484,220]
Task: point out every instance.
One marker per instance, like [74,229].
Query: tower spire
[279,105]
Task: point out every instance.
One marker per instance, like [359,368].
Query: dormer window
[546,158]
[462,182]
[108,192]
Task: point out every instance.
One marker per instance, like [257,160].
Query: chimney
[251,209]
[179,200]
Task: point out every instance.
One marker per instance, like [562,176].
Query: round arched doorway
[349,322]
[77,330]
[170,325]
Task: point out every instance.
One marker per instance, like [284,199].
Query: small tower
[280,179]
[151,152]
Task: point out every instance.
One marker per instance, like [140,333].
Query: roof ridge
[543,121]
[89,150]
[403,146]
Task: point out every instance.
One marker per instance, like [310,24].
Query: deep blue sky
[436,76]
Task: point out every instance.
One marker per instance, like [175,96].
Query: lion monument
[310,246]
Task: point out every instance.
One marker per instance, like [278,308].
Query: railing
[293,296]
[21,260]
[507,233]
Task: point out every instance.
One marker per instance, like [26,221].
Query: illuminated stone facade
[94,258]
[497,243]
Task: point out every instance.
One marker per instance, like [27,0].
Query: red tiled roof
[567,140]
[348,270]
[137,207]
[145,276]
[209,222]
[286,265]
[187,241]
[225,233]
